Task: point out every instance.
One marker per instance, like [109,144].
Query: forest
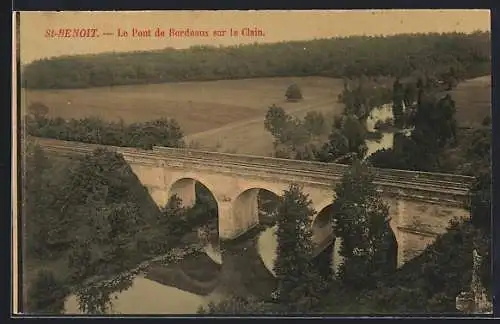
[348,57]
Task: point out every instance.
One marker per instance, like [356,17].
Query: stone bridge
[421,204]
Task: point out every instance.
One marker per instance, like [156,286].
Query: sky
[277,26]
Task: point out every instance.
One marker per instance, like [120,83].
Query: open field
[472,100]
[197,106]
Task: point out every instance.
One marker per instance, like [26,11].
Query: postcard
[320,162]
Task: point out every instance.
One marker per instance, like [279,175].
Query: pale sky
[277,26]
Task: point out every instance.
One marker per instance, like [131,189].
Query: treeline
[349,57]
[93,217]
[161,132]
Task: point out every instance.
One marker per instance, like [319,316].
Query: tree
[361,219]
[337,146]
[299,283]
[293,93]
[277,121]
[314,122]
[355,133]
[46,295]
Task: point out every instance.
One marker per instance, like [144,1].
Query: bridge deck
[450,184]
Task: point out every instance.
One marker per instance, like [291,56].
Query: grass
[225,115]
[472,101]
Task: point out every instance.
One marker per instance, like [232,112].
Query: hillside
[351,57]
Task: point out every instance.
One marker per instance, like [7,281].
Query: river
[386,142]
[147,296]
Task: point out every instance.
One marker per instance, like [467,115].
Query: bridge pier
[240,216]
[231,224]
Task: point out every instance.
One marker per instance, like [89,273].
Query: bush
[293,93]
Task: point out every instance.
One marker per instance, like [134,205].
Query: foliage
[349,138]
[105,217]
[293,93]
[46,295]
[277,121]
[315,123]
[299,283]
[294,138]
[241,306]
[161,132]
[360,96]
[350,57]
[361,219]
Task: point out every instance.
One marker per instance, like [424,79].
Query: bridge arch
[189,189]
[248,206]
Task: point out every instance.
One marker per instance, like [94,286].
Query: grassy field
[472,100]
[228,115]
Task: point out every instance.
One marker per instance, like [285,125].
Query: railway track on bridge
[322,173]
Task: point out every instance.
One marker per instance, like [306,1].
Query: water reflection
[381,114]
[149,297]
[204,276]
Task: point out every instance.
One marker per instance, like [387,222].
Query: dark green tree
[361,219]
[277,121]
[299,283]
[337,146]
[355,132]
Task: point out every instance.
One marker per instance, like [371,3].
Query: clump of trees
[161,132]
[346,141]
[467,54]
[294,138]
